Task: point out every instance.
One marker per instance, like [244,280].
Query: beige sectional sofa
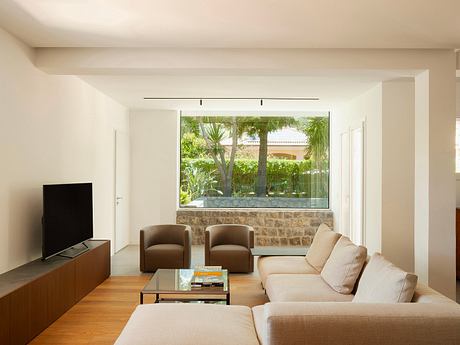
[313,301]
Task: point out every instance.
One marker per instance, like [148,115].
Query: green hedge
[285,178]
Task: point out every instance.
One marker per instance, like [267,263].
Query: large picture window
[265,161]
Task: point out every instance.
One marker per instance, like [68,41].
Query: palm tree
[317,131]
[261,126]
[213,133]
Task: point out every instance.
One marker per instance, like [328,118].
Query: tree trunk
[229,177]
[261,184]
[228,186]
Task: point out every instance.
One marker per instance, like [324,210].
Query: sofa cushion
[301,288]
[321,246]
[189,324]
[344,265]
[383,282]
[283,265]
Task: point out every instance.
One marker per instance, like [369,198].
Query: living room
[101,93]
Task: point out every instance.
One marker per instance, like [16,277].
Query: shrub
[285,178]
[192,146]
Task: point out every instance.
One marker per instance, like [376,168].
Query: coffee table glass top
[178,281]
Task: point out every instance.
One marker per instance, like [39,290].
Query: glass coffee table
[176,284]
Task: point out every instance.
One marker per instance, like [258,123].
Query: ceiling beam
[150,61]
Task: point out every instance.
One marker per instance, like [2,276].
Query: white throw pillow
[321,246]
[344,265]
[383,282]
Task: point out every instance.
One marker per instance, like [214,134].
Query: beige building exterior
[287,143]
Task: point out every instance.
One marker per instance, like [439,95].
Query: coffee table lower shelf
[191,299]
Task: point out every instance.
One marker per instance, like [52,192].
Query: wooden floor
[99,317]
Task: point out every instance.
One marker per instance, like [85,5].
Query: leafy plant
[184,197]
[198,182]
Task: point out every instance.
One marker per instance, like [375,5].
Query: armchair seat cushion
[164,256]
[233,257]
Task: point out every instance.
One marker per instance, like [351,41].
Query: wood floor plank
[100,316]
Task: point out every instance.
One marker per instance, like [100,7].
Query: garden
[218,169]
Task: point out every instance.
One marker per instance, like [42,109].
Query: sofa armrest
[295,323]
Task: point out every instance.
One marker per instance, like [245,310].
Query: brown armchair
[229,246]
[165,246]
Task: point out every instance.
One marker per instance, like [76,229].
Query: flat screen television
[67,216]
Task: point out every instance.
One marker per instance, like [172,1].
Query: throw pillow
[321,246]
[344,265]
[383,282]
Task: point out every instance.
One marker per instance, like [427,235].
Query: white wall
[366,107]
[406,143]
[398,116]
[53,129]
[388,111]
[154,135]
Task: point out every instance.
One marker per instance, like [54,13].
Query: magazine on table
[207,276]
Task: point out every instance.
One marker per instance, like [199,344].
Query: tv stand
[74,252]
[36,294]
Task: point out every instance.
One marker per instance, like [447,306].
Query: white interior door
[121,235]
[352,184]
[345,183]
[357,185]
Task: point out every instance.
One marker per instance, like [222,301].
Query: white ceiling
[332,90]
[234,23]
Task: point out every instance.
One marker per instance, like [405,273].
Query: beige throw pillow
[321,246]
[344,265]
[383,282]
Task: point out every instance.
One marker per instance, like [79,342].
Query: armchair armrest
[145,241]
[295,323]
[147,237]
[207,247]
[187,247]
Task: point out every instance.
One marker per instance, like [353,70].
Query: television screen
[67,216]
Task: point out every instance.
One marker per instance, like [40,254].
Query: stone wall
[272,227]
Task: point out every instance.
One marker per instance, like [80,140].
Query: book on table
[207,276]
